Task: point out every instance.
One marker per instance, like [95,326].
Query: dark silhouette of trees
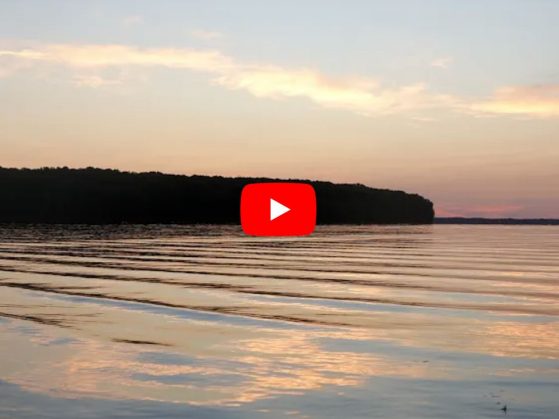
[103,196]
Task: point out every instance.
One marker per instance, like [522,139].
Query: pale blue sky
[458,101]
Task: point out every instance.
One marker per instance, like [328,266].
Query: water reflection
[250,326]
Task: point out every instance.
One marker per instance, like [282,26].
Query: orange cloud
[359,95]
[120,55]
[538,100]
[364,96]
[491,211]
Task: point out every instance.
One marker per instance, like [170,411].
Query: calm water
[401,322]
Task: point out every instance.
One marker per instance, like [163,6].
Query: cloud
[442,62]
[103,56]
[206,35]
[9,67]
[132,20]
[533,101]
[94,81]
[364,96]
[489,211]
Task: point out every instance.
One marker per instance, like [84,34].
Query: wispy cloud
[94,81]
[489,211]
[359,95]
[133,20]
[533,101]
[206,35]
[102,56]
[442,62]
[364,96]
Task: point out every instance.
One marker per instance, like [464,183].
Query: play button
[277,209]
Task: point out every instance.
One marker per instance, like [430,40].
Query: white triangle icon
[277,209]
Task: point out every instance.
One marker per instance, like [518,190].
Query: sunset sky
[457,101]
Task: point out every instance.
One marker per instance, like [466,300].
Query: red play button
[278,209]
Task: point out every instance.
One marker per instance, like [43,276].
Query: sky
[456,101]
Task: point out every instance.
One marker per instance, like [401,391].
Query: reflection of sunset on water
[287,363]
[228,322]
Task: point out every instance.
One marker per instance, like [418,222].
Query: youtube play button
[278,209]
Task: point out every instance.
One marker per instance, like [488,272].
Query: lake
[351,322]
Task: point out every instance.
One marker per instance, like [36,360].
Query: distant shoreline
[501,221]
[103,196]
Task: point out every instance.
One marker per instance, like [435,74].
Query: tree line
[105,196]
